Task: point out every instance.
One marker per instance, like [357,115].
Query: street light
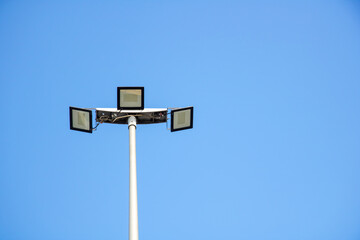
[182,119]
[130,110]
[130,98]
[81,119]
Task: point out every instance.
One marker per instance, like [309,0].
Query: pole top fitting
[132,121]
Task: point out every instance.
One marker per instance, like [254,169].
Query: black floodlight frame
[90,119]
[178,110]
[130,108]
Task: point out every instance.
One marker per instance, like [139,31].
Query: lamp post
[130,110]
[133,206]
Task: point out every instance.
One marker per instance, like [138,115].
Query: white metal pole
[133,205]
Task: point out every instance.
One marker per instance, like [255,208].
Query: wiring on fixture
[96,126]
[102,118]
[125,117]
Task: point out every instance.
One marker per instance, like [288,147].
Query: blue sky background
[274,153]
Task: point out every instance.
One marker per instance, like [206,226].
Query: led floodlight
[130,98]
[80,119]
[182,119]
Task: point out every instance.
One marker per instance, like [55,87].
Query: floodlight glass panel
[80,119]
[182,119]
[130,98]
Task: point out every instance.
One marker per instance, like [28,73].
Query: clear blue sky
[275,149]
